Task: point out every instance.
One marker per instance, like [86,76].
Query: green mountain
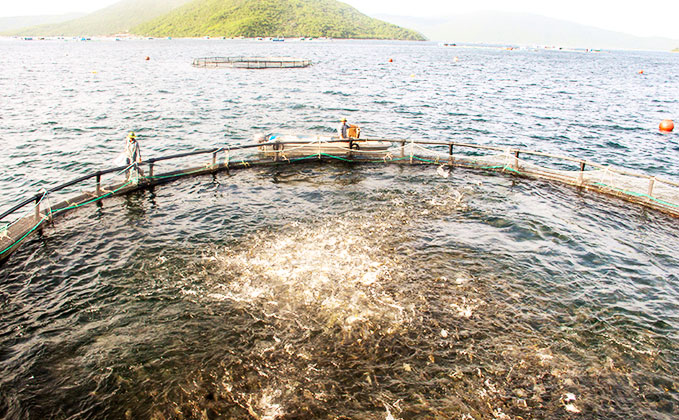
[286,18]
[118,18]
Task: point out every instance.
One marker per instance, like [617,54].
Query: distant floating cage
[251,62]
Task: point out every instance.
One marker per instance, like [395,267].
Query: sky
[641,18]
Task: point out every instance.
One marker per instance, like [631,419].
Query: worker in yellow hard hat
[132,152]
[132,149]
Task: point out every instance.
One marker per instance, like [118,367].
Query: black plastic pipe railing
[36,198]
[98,174]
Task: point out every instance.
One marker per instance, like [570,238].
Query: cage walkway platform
[251,62]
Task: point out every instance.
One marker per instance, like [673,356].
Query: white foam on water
[334,270]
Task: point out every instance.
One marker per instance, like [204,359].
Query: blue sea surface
[68,104]
[338,290]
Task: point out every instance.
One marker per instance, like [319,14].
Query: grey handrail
[214,151]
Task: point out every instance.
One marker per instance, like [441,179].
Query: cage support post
[581,175]
[38,198]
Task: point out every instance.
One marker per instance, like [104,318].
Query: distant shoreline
[311,40]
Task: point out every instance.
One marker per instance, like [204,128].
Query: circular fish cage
[35,211]
[251,62]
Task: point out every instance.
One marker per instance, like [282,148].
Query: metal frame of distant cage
[251,62]
[411,152]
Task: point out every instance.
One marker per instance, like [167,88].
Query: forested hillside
[287,18]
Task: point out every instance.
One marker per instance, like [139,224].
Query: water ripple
[326,291]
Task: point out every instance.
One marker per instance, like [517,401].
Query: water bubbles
[544,356]
[465,309]
[460,281]
[333,270]
[571,408]
[387,307]
[443,172]
[388,415]
[266,406]
[569,397]
[568,401]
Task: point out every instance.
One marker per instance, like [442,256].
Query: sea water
[338,291]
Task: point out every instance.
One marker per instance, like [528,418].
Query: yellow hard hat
[132,136]
[343,120]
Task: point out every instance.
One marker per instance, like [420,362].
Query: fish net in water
[251,62]
[651,191]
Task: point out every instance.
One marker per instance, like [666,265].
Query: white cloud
[51,7]
[646,18]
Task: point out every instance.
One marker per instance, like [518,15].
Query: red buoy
[391,60]
[666,126]
[641,72]
[148,58]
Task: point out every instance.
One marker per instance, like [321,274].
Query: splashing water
[383,307]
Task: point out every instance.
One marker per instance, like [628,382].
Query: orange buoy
[148,58]
[641,72]
[666,126]
[391,60]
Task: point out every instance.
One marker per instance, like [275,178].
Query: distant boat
[278,39]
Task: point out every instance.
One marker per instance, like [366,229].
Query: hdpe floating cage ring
[35,211]
[251,62]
